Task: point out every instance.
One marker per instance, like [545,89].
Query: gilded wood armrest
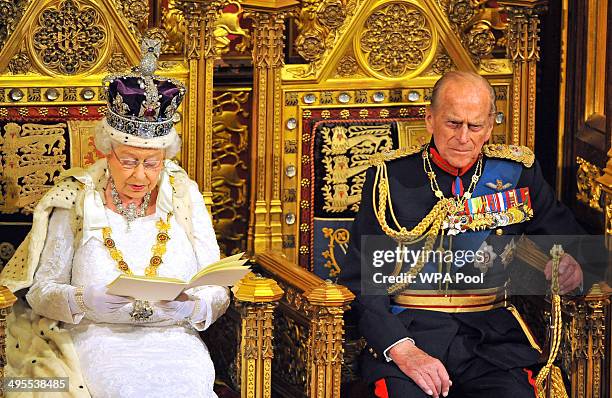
[310,330]
[316,290]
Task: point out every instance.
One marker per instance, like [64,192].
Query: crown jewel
[141,103]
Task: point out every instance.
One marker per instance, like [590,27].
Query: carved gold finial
[255,288]
[7,298]
[329,295]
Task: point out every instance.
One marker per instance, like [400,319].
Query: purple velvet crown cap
[126,97]
[141,103]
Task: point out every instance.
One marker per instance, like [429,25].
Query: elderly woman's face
[135,170]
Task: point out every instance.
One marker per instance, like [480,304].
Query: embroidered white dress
[119,358]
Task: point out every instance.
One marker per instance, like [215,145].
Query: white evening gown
[118,358]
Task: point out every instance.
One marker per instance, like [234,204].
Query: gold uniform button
[499,232]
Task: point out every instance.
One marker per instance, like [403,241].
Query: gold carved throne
[354,80]
[53,57]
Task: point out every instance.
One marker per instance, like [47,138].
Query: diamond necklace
[132,212]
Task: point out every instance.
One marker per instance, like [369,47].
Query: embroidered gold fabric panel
[338,238]
[337,145]
[33,155]
[83,149]
[346,151]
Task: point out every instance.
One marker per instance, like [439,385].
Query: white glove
[100,303]
[180,310]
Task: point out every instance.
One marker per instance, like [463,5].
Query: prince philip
[432,338]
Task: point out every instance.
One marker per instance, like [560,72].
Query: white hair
[106,137]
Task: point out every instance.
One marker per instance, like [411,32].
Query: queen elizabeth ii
[132,212]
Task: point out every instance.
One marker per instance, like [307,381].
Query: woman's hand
[180,309]
[96,299]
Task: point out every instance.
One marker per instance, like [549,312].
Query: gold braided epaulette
[381,157]
[518,153]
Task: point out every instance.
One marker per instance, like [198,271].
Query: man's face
[461,122]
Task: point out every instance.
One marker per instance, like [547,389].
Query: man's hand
[426,371]
[570,273]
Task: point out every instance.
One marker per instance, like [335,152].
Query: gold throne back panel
[372,65]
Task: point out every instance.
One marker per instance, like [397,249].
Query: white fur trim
[139,142]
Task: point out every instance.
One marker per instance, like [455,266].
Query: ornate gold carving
[310,341]
[523,36]
[474,21]
[228,24]
[269,39]
[265,230]
[20,64]
[496,66]
[332,14]
[136,13]
[480,39]
[522,48]
[589,191]
[291,351]
[200,53]
[70,37]
[11,12]
[314,25]
[347,66]
[608,221]
[460,11]
[325,350]
[193,14]
[229,170]
[340,237]
[320,24]
[159,35]
[347,151]
[397,39]
[256,348]
[173,23]
[597,326]
[442,64]
[443,5]
[33,155]
[581,352]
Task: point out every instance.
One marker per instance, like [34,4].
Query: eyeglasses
[130,164]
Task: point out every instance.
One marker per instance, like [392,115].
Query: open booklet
[225,272]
